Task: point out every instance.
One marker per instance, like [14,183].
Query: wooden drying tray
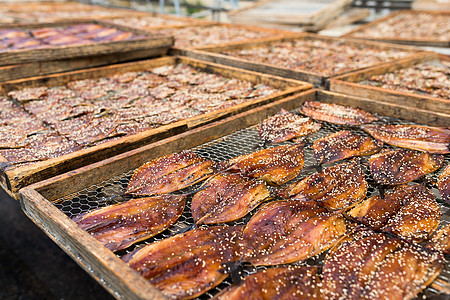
[13,178]
[319,80]
[406,41]
[38,199]
[348,84]
[19,56]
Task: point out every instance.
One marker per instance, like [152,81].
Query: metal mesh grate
[241,142]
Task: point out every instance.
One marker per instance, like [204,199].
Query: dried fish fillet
[227,197]
[287,231]
[443,184]
[415,137]
[285,126]
[368,265]
[275,165]
[440,240]
[343,144]
[398,166]
[336,187]
[409,211]
[292,282]
[187,265]
[169,173]
[121,225]
[337,114]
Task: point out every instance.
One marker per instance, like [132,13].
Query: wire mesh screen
[241,142]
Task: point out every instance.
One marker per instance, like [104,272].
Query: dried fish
[121,225]
[336,187]
[398,166]
[415,137]
[227,197]
[187,265]
[343,144]
[443,184]
[337,114]
[274,165]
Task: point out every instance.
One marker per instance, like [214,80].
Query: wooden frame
[404,41]
[13,57]
[37,200]
[12,178]
[348,84]
[213,54]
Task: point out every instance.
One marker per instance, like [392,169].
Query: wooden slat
[348,84]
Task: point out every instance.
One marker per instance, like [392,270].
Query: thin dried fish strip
[121,225]
[343,144]
[398,166]
[287,231]
[187,265]
[285,126]
[336,187]
[440,240]
[415,137]
[443,184]
[227,197]
[169,173]
[275,165]
[336,114]
[291,282]
[368,265]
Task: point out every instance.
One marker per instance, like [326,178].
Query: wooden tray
[19,56]
[213,54]
[411,40]
[348,84]
[38,200]
[13,178]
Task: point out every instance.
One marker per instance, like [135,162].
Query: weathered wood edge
[109,270]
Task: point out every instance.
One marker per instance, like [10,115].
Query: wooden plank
[19,177]
[348,84]
[37,200]
[213,54]
[18,56]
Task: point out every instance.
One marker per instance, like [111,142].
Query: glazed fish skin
[277,283]
[443,184]
[337,114]
[370,265]
[169,173]
[440,240]
[399,166]
[186,265]
[415,137]
[275,165]
[121,225]
[285,126]
[285,231]
[227,197]
[336,187]
[343,144]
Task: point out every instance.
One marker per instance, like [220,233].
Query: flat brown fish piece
[227,197]
[169,173]
[415,137]
[287,231]
[440,240]
[121,225]
[368,265]
[443,184]
[292,282]
[409,211]
[336,187]
[186,265]
[275,165]
[343,144]
[285,126]
[398,166]
[337,114]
